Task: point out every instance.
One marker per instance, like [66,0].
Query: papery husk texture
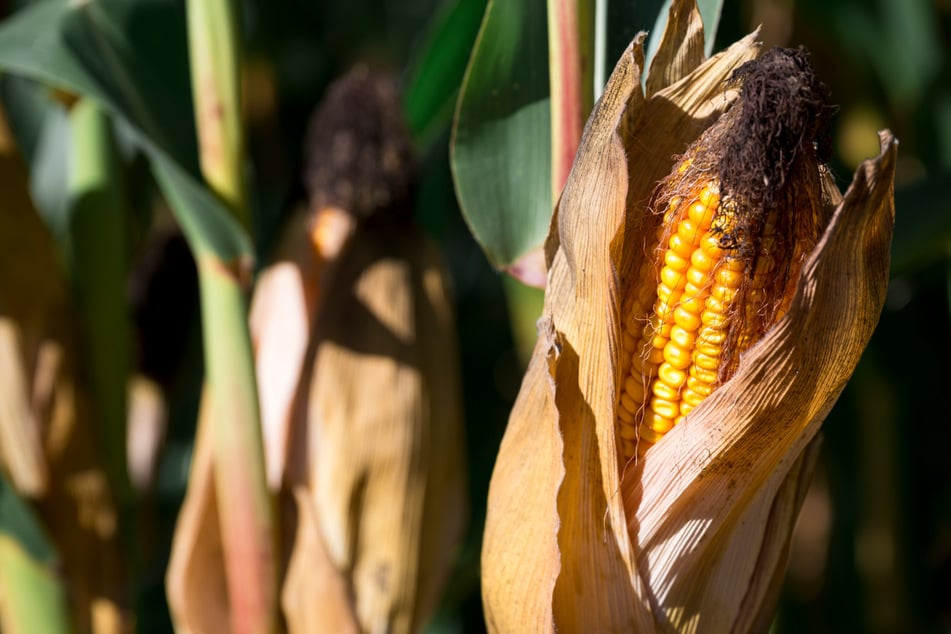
[694,536]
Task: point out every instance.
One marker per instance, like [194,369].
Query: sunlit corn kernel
[681,247]
[714,320]
[677,357]
[671,375]
[723,293]
[682,337]
[702,261]
[707,376]
[672,279]
[656,422]
[701,215]
[709,349]
[710,245]
[664,391]
[700,387]
[715,305]
[676,262]
[667,294]
[686,319]
[649,435]
[705,361]
[664,408]
[692,302]
[710,196]
[690,232]
[700,279]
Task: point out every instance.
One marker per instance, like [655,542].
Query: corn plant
[259,262]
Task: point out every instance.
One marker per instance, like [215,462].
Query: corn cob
[733,236]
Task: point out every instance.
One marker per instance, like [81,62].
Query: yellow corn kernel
[656,422]
[682,337]
[676,262]
[686,319]
[681,247]
[677,356]
[701,214]
[698,386]
[665,391]
[690,287]
[671,376]
[672,279]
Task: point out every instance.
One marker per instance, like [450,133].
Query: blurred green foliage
[873,551]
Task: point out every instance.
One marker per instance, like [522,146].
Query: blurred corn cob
[359,161]
[378,466]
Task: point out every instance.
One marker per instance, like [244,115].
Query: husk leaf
[681,47]
[570,543]
[195,580]
[384,488]
[556,552]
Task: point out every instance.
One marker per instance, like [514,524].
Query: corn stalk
[247,530]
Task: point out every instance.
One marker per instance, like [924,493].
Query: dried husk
[195,583]
[382,499]
[694,536]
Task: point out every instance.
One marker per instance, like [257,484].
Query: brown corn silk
[693,537]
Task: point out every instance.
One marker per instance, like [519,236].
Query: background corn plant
[873,547]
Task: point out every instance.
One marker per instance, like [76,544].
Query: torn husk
[382,501]
[578,540]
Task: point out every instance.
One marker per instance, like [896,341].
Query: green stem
[244,502]
[98,265]
[571,79]
[216,84]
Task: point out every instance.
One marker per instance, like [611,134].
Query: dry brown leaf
[195,581]
[681,47]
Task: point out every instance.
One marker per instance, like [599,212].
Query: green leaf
[130,57]
[437,72]
[501,154]
[18,523]
[501,150]
[31,597]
